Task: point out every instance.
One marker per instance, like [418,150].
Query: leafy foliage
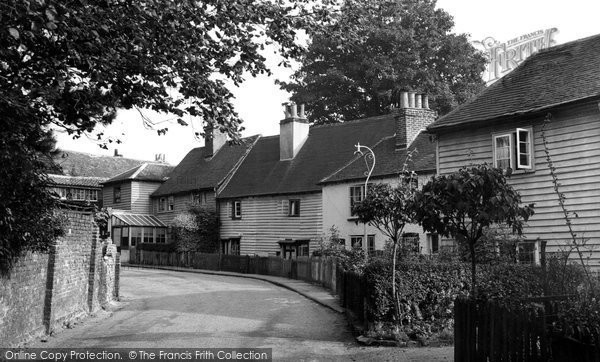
[389,208]
[355,67]
[72,64]
[196,230]
[27,219]
[466,202]
[353,259]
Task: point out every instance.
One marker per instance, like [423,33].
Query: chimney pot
[417,101]
[403,99]
[425,101]
[411,100]
[294,110]
[301,111]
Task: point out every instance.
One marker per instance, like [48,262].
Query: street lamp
[368,156]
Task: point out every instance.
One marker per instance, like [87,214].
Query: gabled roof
[558,75]
[326,149]
[389,161]
[199,171]
[81,181]
[147,171]
[84,164]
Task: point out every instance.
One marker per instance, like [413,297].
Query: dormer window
[513,149]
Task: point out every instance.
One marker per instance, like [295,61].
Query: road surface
[176,309]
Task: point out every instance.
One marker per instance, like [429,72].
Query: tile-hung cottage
[127,195]
[273,205]
[346,186]
[502,126]
[197,178]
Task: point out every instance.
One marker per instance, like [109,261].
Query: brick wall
[43,291]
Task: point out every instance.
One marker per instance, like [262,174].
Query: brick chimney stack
[412,117]
[293,131]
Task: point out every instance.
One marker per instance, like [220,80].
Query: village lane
[164,309]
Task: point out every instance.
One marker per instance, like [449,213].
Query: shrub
[197,229]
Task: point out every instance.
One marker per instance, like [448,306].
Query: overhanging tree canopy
[73,64]
[375,48]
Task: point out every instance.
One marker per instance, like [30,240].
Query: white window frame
[515,153]
[236,212]
[529,153]
[510,148]
[171,203]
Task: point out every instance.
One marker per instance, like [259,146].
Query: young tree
[355,67]
[464,203]
[389,208]
[73,64]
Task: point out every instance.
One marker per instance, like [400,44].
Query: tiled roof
[83,164]
[389,161]
[147,171]
[325,151]
[83,181]
[561,74]
[197,171]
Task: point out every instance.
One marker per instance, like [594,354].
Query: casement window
[527,252]
[513,149]
[161,235]
[303,248]
[171,204]
[148,235]
[117,194]
[236,209]
[356,241]
[136,236]
[356,195]
[371,243]
[162,204]
[294,208]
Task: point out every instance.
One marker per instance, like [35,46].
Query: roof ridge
[140,169]
[225,180]
[353,121]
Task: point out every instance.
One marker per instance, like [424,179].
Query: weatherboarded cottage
[503,126]
[412,150]
[273,205]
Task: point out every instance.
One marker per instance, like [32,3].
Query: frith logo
[504,57]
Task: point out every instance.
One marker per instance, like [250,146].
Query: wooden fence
[486,331]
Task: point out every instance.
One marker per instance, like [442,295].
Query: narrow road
[174,309]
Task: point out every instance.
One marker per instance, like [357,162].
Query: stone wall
[44,291]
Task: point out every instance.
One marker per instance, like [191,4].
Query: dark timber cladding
[565,82]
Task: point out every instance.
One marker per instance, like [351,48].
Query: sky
[259,100]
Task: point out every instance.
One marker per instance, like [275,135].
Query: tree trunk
[473,277]
[394,295]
